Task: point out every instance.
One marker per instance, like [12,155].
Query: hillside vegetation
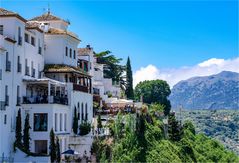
[222,125]
[145,138]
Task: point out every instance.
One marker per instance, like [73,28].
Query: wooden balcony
[77,87]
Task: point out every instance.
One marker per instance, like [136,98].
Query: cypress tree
[58,152]
[174,128]
[52,146]
[18,131]
[26,134]
[75,122]
[129,81]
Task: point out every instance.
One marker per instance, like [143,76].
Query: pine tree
[58,152]
[52,146]
[129,81]
[75,122]
[26,134]
[18,131]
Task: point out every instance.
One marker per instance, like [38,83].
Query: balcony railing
[8,66]
[27,71]
[19,67]
[18,101]
[6,100]
[77,87]
[33,72]
[45,100]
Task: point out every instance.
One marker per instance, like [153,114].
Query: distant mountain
[220,91]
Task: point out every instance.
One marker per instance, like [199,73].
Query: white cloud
[173,76]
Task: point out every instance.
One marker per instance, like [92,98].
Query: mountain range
[219,91]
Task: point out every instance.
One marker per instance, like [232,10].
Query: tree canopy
[154,91]
[112,69]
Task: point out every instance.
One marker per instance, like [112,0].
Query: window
[65,124]
[66,51]
[82,111]
[27,70]
[74,54]
[26,38]
[18,97]
[86,112]
[33,41]
[41,146]
[5,119]
[0,74]
[1,29]
[40,122]
[55,121]
[39,46]
[19,65]
[19,36]
[66,78]
[70,53]
[60,122]
[6,96]
[8,63]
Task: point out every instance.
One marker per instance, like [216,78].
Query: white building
[40,74]
[103,88]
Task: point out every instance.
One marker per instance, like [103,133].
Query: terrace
[43,91]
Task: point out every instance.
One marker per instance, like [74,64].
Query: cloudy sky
[172,76]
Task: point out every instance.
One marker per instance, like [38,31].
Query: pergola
[47,87]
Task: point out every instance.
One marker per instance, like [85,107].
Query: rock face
[220,91]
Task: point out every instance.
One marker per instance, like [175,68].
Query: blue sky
[167,34]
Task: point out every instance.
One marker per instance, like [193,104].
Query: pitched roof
[56,31]
[33,25]
[61,68]
[7,13]
[84,51]
[48,17]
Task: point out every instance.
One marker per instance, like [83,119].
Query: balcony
[77,87]
[33,72]
[19,67]
[18,101]
[45,100]
[8,66]
[27,71]
[6,100]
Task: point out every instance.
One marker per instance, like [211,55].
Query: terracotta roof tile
[84,51]
[60,68]
[47,17]
[7,13]
[56,31]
